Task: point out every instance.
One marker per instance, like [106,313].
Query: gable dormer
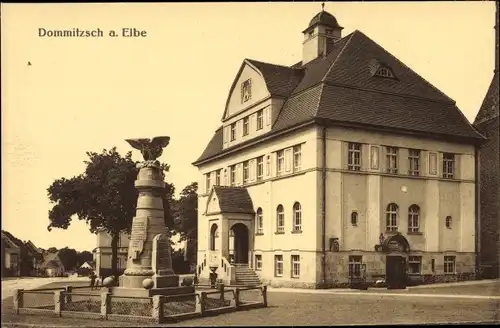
[252,106]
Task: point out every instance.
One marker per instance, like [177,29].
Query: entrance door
[241,241]
[395,268]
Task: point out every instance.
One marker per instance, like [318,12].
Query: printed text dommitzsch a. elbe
[71,33]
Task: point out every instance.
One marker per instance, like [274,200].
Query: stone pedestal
[149,247]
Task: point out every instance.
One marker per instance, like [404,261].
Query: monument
[149,264]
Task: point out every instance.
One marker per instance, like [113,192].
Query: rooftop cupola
[319,36]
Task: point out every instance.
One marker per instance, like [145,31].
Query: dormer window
[384,72]
[246,91]
[311,33]
[329,31]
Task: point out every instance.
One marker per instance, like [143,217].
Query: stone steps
[245,275]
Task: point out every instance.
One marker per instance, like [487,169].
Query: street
[8,285]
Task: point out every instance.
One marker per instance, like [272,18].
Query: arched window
[391,217]
[354,218]
[413,218]
[213,236]
[259,221]
[280,219]
[297,217]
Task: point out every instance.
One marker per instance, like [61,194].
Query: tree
[187,215]
[68,257]
[83,257]
[104,196]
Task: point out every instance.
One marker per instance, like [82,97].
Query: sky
[87,94]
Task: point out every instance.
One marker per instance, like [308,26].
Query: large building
[489,173]
[103,253]
[347,165]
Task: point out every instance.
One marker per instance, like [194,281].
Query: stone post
[105,305]
[221,288]
[18,300]
[68,290]
[157,311]
[58,302]
[200,302]
[236,297]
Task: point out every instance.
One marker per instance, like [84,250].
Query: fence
[76,302]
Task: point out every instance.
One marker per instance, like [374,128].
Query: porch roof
[234,199]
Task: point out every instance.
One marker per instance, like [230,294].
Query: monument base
[142,292]
[165,281]
[160,281]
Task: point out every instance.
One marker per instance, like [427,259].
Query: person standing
[92,280]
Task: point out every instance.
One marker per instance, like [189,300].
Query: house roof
[50,258]
[233,199]
[490,107]
[12,239]
[341,88]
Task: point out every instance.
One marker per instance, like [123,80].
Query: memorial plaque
[138,236]
[395,246]
[162,262]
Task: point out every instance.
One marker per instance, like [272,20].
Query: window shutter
[225,134]
[288,159]
[239,128]
[268,115]
[239,176]
[253,123]
[252,168]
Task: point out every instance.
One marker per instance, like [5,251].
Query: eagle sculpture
[150,149]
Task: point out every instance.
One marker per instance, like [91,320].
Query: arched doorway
[397,248]
[240,239]
[213,236]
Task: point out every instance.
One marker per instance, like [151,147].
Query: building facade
[487,122]
[103,254]
[345,166]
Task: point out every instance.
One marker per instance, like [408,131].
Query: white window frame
[449,264]
[414,218]
[355,263]
[391,222]
[295,260]
[260,168]
[448,166]
[217,177]
[259,221]
[207,181]
[260,120]
[297,217]
[258,262]
[280,162]
[354,156]
[268,165]
[232,132]
[416,260]
[414,162]
[246,126]
[232,175]
[392,156]
[297,158]
[278,265]
[246,172]
[280,219]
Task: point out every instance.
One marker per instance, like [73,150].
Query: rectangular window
[217,177]
[258,262]
[260,120]
[414,264]
[433,163]
[233,131]
[354,157]
[260,168]
[392,160]
[297,217]
[225,177]
[297,158]
[448,166]
[355,266]
[246,125]
[246,171]
[232,176]
[207,176]
[433,265]
[268,165]
[278,265]
[414,161]
[295,266]
[280,162]
[449,264]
